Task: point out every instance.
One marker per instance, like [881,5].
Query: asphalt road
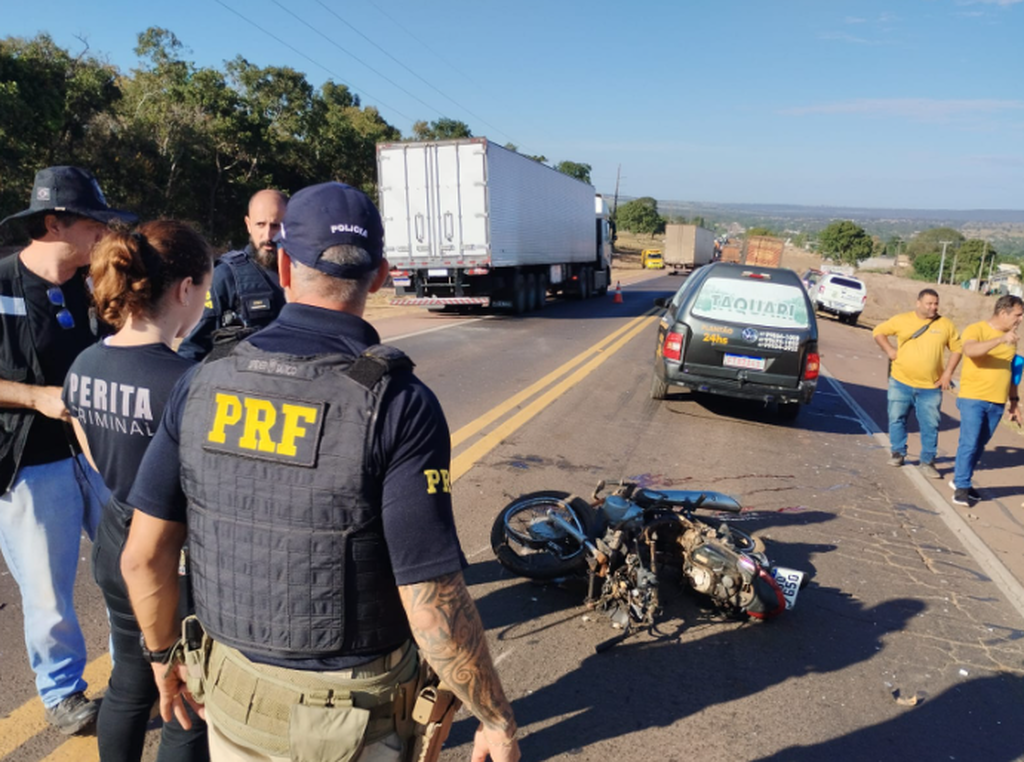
[897,608]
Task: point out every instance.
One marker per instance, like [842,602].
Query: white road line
[980,552]
[434,330]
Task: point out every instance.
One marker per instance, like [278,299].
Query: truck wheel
[588,276]
[583,284]
[518,294]
[659,389]
[542,291]
[852,319]
[604,288]
[531,292]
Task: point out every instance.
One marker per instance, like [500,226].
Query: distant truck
[688,246]
[732,252]
[468,222]
[764,251]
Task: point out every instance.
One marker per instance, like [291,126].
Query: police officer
[48,492]
[245,291]
[309,470]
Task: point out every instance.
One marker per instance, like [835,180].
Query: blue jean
[41,523]
[978,422]
[926,404]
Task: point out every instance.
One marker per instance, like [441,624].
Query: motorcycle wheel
[527,543]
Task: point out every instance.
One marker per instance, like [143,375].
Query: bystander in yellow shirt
[987,377]
[919,362]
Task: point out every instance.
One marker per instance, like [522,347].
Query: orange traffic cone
[618,293]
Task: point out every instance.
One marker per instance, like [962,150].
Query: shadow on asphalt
[647,683]
[975,720]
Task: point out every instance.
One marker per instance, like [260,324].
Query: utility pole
[942,264]
[615,201]
[984,251]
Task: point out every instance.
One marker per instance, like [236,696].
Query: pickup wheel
[788,411]
[852,319]
[659,389]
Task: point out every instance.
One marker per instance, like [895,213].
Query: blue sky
[910,104]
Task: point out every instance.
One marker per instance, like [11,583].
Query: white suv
[841,295]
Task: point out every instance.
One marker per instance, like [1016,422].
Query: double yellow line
[28,720]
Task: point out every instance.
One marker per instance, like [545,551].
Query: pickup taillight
[673,347]
[812,367]
[399,274]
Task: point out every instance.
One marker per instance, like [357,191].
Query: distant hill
[1004,228]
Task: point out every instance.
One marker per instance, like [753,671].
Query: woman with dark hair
[150,285]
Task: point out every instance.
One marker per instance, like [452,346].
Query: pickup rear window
[856,285]
[752,302]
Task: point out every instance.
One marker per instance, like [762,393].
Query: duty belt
[253,703]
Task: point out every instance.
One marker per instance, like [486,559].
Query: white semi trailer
[468,222]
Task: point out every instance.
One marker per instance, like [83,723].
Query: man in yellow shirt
[986,384]
[917,376]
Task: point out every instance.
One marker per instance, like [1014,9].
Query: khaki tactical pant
[267,713]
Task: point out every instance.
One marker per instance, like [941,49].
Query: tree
[441,129]
[846,241]
[48,100]
[760,231]
[967,259]
[640,216]
[571,168]
[929,241]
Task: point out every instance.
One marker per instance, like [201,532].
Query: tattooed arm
[448,630]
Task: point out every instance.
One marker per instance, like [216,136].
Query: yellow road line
[497,412]
[29,719]
[468,458]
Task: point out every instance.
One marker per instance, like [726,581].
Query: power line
[421,79]
[312,61]
[298,18]
[397,23]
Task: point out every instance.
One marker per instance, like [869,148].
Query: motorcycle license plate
[743,361]
[788,581]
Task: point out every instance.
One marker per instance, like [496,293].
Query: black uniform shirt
[118,394]
[222,297]
[56,347]
[418,524]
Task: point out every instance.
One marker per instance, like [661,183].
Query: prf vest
[285,531]
[257,299]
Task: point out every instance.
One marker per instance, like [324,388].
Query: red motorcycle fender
[778,595]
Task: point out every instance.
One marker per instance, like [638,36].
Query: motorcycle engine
[716,570]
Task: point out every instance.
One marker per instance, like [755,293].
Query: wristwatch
[155,657]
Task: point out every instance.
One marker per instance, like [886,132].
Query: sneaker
[962,497]
[971,492]
[72,715]
[896,459]
[929,470]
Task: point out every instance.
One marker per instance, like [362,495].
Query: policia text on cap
[309,470]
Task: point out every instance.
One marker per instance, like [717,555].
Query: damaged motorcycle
[622,540]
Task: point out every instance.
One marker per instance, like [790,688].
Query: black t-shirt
[56,347]
[414,441]
[118,394]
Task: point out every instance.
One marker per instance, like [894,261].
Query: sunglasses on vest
[64,317]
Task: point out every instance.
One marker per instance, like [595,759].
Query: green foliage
[929,241]
[571,168]
[640,216]
[845,241]
[441,129]
[962,263]
[177,140]
[760,231]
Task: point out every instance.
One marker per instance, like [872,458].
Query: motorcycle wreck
[623,540]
